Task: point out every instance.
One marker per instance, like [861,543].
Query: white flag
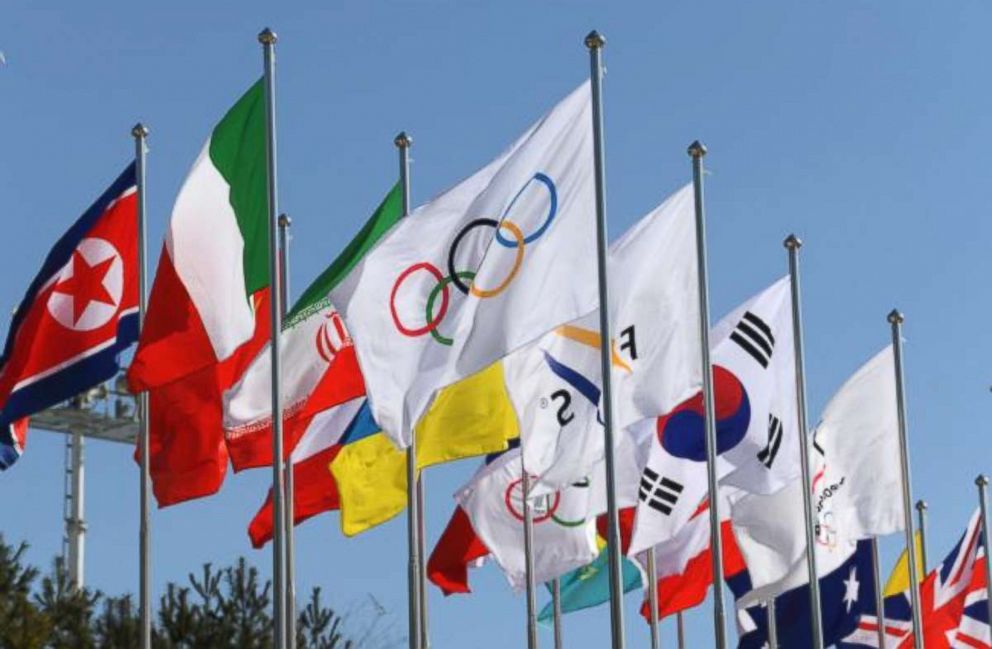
[564,529]
[555,383]
[754,385]
[484,269]
[856,486]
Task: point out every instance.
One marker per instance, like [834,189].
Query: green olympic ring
[440,286]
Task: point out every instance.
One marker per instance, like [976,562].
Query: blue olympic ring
[552,211]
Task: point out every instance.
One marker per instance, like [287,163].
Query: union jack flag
[953,601]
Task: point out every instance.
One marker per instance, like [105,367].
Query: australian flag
[846,593]
[78,315]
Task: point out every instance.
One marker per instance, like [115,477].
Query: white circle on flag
[87,291]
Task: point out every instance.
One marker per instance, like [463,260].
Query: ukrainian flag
[472,417]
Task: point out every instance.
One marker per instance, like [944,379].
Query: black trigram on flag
[755,337]
[658,492]
[767,455]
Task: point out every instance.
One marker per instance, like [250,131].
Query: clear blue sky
[863,127]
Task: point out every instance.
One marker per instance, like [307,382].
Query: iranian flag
[208,312]
[320,368]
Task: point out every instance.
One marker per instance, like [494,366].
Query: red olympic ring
[507,498]
[445,298]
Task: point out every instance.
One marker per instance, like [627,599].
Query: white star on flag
[852,585]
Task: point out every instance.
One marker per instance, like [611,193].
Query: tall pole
[896,319]
[268,40]
[652,578]
[595,42]
[76,524]
[982,482]
[921,512]
[289,517]
[140,133]
[556,610]
[697,151]
[425,641]
[529,558]
[403,143]
[680,629]
[793,244]
[876,566]
[772,624]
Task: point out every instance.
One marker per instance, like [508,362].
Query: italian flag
[320,368]
[208,313]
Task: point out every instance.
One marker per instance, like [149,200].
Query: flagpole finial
[139,130]
[982,480]
[921,505]
[697,149]
[595,40]
[896,317]
[403,141]
[792,242]
[285,221]
[267,37]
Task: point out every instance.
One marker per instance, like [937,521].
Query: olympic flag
[481,270]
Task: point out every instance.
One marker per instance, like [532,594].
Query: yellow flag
[472,417]
[899,578]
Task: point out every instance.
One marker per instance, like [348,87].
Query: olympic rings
[552,211]
[456,277]
[444,340]
[431,324]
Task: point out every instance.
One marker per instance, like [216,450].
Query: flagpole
[653,596]
[982,482]
[529,557]
[556,610]
[680,629]
[595,42]
[289,519]
[772,624]
[921,512]
[403,143]
[896,319]
[793,244]
[140,133]
[268,40]
[422,558]
[697,151]
[876,565]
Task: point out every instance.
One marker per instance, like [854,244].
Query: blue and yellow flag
[589,585]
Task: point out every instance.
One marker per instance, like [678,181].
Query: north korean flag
[78,315]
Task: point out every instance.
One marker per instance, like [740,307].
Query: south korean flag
[755,398]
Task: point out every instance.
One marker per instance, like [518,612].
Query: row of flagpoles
[282,467]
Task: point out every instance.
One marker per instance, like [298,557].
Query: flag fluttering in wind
[953,600]
[856,485]
[754,381]
[480,271]
[589,586]
[555,383]
[77,316]
[208,309]
[898,581]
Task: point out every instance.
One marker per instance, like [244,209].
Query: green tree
[68,609]
[22,625]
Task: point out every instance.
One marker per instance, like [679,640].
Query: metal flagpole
[896,319]
[653,596]
[403,143]
[76,524]
[140,133]
[288,510]
[982,482]
[772,624]
[793,244]
[268,40]
[422,557]
[876,565]
[556,610]
[529,557]
[921,512]
[680,628]
[697,151]
[596,42]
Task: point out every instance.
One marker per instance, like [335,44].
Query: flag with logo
[953,603]
[77,316]
[755,403]
[555,383]
[320,369]
[480,271]
[208,312]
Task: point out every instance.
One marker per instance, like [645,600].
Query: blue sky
[863,127]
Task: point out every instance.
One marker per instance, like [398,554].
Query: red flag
[458,547]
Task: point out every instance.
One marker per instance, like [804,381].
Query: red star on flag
[86,284]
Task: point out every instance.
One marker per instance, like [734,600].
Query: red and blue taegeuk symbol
[681,432]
